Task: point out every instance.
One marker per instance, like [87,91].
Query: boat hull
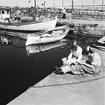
[44,38]
[30,27]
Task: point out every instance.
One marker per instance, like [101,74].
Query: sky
[49,3]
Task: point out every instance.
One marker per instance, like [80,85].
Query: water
[19,70]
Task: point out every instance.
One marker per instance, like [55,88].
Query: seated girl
[72,59]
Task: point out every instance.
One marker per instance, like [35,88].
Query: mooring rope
[65,84]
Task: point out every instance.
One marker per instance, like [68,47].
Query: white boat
[102,40]
[32,49]
[49,36]
[28,26]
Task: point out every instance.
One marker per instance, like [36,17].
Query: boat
[102,40]
[49,36]
[32,49]
[28,26]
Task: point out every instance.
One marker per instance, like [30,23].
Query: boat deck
[66,89]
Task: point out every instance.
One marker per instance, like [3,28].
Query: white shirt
[76,54]
[64,10]
[96,59]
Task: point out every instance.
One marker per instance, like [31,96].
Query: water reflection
[31,49]
[20,43]
[11,40]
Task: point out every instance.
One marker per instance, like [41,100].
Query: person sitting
[74,57]
[64,13]
[64,16]
[90,66]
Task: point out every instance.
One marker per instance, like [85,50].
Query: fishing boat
[50,36]
[32,49]
[28,26]
[7,25]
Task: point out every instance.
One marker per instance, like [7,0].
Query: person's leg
[59,69]
[66,68]
[77,69]
[96,70]
[87,69]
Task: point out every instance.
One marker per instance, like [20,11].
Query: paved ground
[66,89]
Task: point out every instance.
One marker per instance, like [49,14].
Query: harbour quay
[64,89]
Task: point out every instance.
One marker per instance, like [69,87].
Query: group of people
[75,63]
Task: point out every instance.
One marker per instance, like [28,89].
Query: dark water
[19,71]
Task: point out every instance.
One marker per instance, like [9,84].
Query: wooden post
[82,4]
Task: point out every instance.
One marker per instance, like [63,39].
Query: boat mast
[102,8]
[82,4]
[102,5]
[72,5]
[44,4]
[53,3]
[34,10]
[34,4]
[62,3]
[93,4]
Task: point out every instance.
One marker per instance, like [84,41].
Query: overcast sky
[48,2]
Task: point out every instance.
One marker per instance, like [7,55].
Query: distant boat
[31,49]
[102,40]
[29,26]
[49,36]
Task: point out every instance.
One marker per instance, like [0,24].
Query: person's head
[74,45]
[88,48]
[73,48]
[89,51]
